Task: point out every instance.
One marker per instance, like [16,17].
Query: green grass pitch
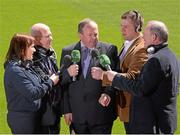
[63,16]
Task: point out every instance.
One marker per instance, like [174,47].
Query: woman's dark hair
[18,45]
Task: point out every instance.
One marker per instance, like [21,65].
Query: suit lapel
[78,46]
[122,48]
[131,48]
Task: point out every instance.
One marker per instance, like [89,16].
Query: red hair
[18,45]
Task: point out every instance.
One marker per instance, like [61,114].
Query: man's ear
[154,37]
[80,34]
[37,40]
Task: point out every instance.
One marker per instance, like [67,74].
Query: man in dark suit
[83,108]
[158,80]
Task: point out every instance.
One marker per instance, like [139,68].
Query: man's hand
[104,100]
[73,70]
[110,75]
[68,118]
[97,73]
[54,78]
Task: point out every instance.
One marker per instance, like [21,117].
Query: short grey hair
[36,29]
[160,29]
[82,24]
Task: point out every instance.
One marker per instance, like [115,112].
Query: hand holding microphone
[96,72]
[105,62]
[74,69]
[66,62]
[103,59]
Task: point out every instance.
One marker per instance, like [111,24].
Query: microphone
[75,57]
[66,62]
[95,53]
[105,61]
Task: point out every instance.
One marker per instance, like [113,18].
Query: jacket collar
[131,48]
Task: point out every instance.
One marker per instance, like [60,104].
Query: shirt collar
[129,43]
[83,46]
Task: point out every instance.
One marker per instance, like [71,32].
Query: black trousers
[140,129]
[23,122]
[87,128]
[53,129]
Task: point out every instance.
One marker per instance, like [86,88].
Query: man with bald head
[45,65]
[158,80]
[82,98]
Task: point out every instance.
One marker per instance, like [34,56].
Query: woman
[24,88]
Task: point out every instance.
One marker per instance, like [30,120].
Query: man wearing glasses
[45,64]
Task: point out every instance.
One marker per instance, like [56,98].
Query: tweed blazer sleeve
[130,67]
[133,61]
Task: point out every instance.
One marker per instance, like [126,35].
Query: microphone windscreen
[104,60]
[66,60]
[75,56]
[95,53]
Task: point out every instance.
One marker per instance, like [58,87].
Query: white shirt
[127,44]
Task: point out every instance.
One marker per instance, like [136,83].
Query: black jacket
[45,64]
[24,90]
[81,97]
[158,81]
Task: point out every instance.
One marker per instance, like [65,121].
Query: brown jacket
[130,67]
